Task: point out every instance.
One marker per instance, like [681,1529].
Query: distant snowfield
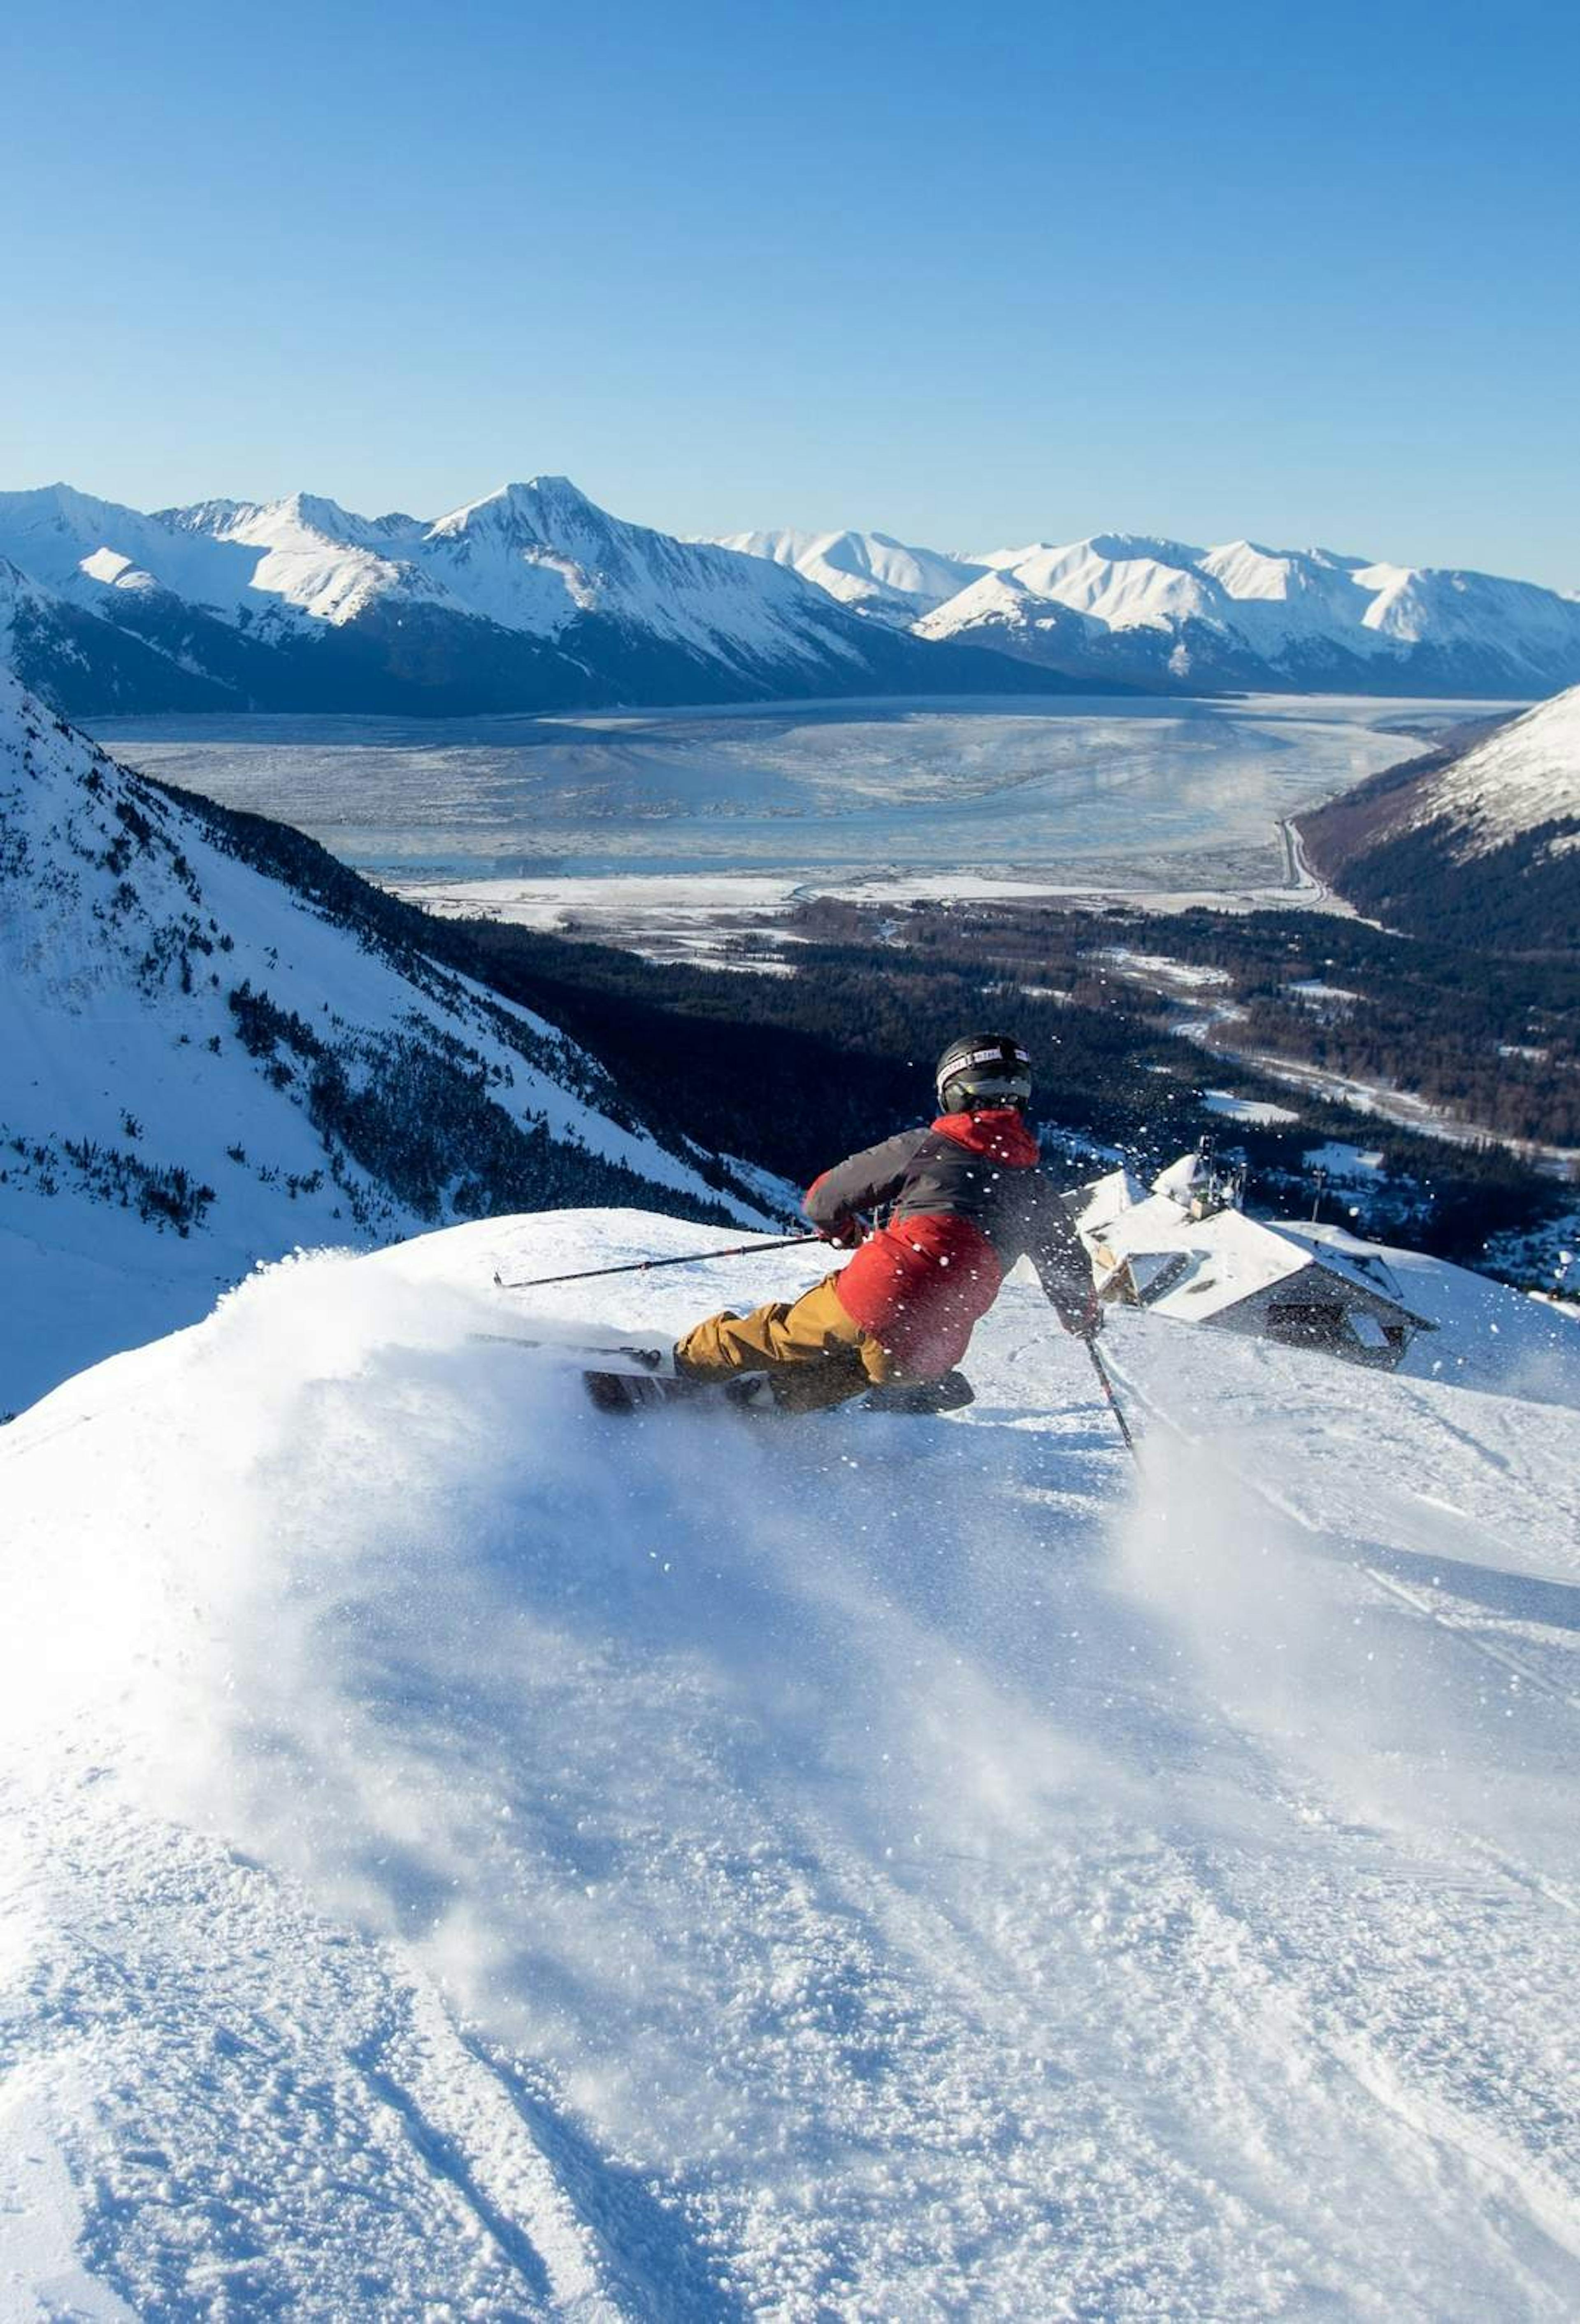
[463,1855]
[1160,795]
[1245,1109]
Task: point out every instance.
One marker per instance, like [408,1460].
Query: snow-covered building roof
[1181,1248]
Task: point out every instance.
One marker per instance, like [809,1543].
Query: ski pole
[1101,1368]
[644,1266]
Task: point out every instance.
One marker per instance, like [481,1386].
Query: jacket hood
[1000,1135]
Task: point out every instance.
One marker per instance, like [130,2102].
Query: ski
[639,1391]
[643,1359]
[633,1375]
[751,1394]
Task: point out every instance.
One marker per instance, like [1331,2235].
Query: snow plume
[529,1692]
[214,1046]
[1234,1579]
[1312,1637]
[422,1572]
[472,1852]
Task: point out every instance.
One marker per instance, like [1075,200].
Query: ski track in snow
[468,1856]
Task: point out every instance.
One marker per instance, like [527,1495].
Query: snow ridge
[1525,776]
[870,572]
[1239,612]
[529,597]
[534,597]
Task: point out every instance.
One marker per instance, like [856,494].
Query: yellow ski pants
[818,1354]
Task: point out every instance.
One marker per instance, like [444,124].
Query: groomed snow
[1245,1109]
[466,1855]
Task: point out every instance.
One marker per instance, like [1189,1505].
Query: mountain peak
[315,513]
[1127,548]
[534,512]
[559,489]
[537,494]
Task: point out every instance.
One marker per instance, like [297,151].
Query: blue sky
[972,277]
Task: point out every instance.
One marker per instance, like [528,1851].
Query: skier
[964,1201]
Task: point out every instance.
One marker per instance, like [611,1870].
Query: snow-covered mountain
[1288,619]
[534,598]
[867,571]
[1242,614]
[462,1855]
[1481,844]
[62,647]
[1001,606]
[531,598]
[205,1061]
[1160,613]
[1522,781]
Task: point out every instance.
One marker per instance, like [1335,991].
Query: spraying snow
[470,1855]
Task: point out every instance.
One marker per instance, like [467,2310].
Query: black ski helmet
[981,1070]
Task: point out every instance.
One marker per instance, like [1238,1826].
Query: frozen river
[1138,794]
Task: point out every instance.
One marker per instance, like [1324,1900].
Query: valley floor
[468,1856]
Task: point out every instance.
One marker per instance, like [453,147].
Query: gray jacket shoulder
[862,1180]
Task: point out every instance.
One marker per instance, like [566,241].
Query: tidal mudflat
[805,787]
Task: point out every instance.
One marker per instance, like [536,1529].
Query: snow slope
[202,1065]
[304,553]
[1526,775]
[466,1855]
[1004,606]
[868,571]
[83,547]
[1477,848]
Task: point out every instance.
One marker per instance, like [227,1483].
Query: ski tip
[628,1392]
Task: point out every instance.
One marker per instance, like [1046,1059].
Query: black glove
[845,1233]
[1083,1323]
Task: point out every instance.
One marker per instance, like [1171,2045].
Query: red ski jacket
[965,1200]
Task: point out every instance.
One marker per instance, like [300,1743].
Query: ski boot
[950,1394]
